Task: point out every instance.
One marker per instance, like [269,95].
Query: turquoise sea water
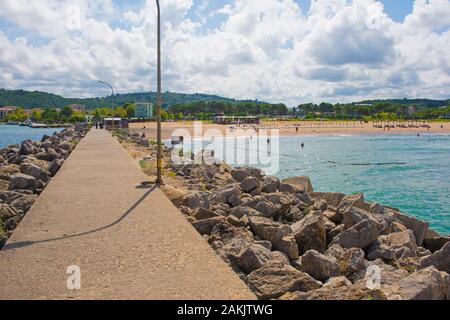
[16,134]
[404,171]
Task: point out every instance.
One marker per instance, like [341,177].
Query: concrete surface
[129,242]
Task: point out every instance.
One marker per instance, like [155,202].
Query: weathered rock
[280,256]
[354,215]
[265,207]
[27,148]
[267,229]
[393,246]
[334,232]
[4,185]
[397,227]
[435,244]
[6,212]
[197,199]
[48,155]
[7,171]
[319,266]
[291,188]
[202,214]
[270,184]
[361,235]
[350,261]
[376,208]
[333,216]
[349,201]
[276,278]
[310,234]
[55,165]
[288,246]
[419,227]
[240,174]
[303,182]
[243,210]
[206,226]
[320,205]
[266,244]
[254,258]
[440,259]
[234,221]
[12,222]
[34,171]
[426,284]
[22,181]
[249,184]
[332,198]
[229,195]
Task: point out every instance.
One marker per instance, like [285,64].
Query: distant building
[236,120]
[144,111]
[4,111]
[411,111]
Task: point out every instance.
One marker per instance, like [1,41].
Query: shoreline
[287,242]
[285,129]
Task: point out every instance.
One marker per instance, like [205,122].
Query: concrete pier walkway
[129,242]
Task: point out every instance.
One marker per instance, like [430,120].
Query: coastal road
[97,228]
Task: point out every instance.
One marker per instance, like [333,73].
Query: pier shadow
[22,244]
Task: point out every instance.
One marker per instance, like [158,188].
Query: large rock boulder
[27,148]
[249,184]
[206,226]
[239,174]
[34,171]
[243,210]
[350,261]
[440,259]
[266,208]
[55,165]
[22,202]
[22,181]
[6,212]
[310,234]
[288,246]
[197,199]
[267,229]
[254,258]
[48,155]
[275,278]
[354,215]
[7,171]
[270,184]
[419,227]
[319,266]
[332,198]
[361,235]
[302,181]
[394,246]
[291,188]
[426,284]
[229,195]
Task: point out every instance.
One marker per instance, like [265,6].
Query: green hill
[37,99]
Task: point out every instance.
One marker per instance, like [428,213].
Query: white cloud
[267,49]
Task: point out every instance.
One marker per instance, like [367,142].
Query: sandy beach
[290,128]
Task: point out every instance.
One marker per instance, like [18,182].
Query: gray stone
[240,174]
[202,213]
[350,261]
[249,184]
[197,199]
[435,244]
[440,259]
[22,181]
[319,266]
[27,148]
[302,181]
[310,234]
[34,171]
[361,235]
[291,188]
[426,284]
[398,245]
[229,195]
[206,226]
[270,184]
[288,246]
[254,258]
[55,165]
[243,210]
[267,229]
[276,278]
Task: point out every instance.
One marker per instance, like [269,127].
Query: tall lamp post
[112,91]
[158,103]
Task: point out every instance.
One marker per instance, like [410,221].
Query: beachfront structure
[119,123]
[144,111]
[236,120]
[4,111]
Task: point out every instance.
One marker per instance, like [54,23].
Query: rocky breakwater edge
[287,242]
[26,169]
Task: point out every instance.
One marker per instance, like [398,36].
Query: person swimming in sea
[303,145]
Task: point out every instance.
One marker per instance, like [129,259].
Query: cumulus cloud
[272,50]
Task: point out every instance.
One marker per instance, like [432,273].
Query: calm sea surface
[16,134]
[404,171]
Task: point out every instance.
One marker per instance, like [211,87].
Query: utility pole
[158,103]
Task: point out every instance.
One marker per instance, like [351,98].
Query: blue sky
[275,50]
